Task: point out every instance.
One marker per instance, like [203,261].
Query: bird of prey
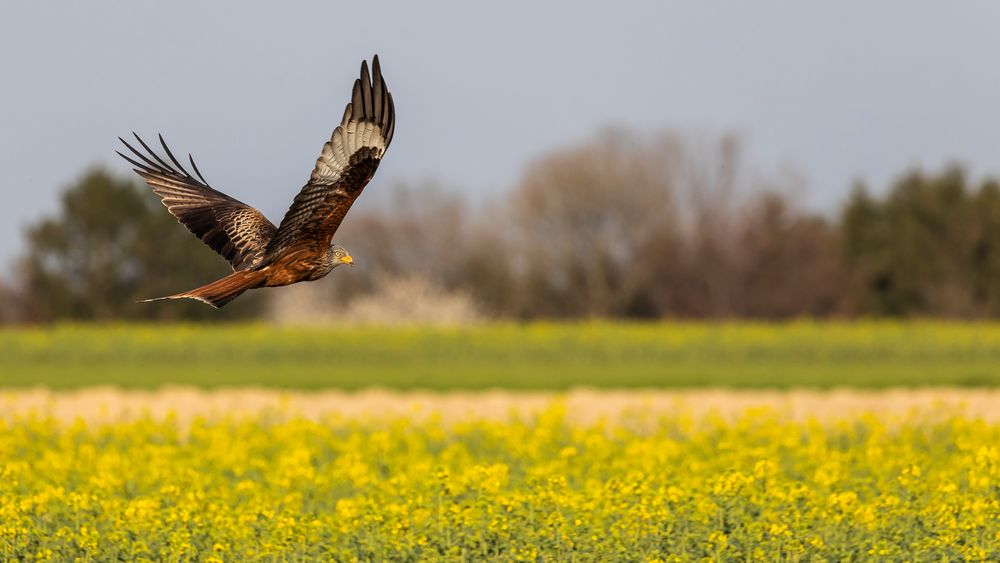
[300,248]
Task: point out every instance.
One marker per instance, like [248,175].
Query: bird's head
[341,256]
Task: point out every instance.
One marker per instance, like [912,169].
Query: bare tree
[709,178]
[789,262]
[580,218]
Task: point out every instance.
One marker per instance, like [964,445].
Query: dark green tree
[112,243]
[930,247]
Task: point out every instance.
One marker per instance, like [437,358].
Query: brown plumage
[301,248]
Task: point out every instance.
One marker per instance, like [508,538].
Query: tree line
[622,226]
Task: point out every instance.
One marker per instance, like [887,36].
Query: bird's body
[301,248]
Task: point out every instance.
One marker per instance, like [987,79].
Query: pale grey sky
[840,91]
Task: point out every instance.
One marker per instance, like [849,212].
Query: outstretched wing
[346,165]
[230,227]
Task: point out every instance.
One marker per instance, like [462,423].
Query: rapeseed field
[275,487]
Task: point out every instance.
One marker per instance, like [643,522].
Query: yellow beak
[348,260]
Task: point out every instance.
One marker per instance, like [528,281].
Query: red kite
[300,248]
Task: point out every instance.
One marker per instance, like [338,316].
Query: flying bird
[301,248]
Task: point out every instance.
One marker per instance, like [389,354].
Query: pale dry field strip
[582,406]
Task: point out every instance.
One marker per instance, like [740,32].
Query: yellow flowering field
[760,487]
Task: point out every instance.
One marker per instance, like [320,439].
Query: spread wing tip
[370,97]
[150,162]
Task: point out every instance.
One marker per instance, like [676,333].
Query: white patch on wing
[346,140]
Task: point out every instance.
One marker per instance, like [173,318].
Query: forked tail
[221,291]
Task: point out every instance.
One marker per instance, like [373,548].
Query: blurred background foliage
[622,226]
[111,244]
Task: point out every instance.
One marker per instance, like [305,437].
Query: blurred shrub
[412,300]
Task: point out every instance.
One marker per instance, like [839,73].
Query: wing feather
[345,165]
[366,90]
[378,99]
[228,226]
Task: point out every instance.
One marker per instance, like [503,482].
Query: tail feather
[221,291]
